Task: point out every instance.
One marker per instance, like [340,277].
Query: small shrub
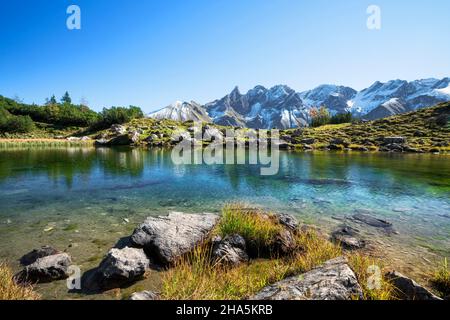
[441,279]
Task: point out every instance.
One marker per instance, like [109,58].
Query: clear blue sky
[151,53]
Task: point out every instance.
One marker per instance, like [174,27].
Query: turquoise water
[84,199]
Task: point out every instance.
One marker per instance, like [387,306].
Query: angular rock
[348,238]
[289,221]
[284,243]
[144,295]
[339,141]
[394,140]
[42,252]
[167,238]
[332,281]
[122,266]
[230,251]
[118,129]
[46,269]
[308,141]
[122,140]
[408,289]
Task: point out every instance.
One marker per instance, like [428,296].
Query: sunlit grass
[441,279]
[370,275]
[9,290]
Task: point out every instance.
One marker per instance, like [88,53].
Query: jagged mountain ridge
[282,107]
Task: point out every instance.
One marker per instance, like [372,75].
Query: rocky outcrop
[144,295]
[46,269]
[348,238]
[42,252]
[167,238]
[332,281]
[230,250]
[408,289]
[122,266]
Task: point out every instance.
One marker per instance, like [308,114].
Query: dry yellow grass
[9,290]
[370,274]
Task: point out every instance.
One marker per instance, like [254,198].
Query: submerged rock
[332,281]
[46,269]
[230,251]
[167,238]
[122,266]
[42,252]
[348,238]
[408,289]
[373,222]
[144,295]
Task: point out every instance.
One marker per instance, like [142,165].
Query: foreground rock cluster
[160,241]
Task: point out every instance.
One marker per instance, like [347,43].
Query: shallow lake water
[84,199]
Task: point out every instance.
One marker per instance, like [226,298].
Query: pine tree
[66,98]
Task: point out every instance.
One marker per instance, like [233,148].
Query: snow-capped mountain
[281,107]
[182,111]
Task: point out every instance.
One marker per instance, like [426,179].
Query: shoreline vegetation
[64,124]
[242,254]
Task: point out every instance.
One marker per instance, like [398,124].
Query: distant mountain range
[282,107]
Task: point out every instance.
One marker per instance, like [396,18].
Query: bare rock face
[230,251]
[165,239]
[42,252]
[396,140]
[122,266]
[46,269]
[332,281]
[408,289]
[144,295]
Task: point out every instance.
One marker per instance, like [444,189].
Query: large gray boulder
[167,238]
[408,289]
[122,266]
[46,269]
[42,252]
[332,281]
[229,251]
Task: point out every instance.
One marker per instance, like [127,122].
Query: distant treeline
[17,117]
[321,116]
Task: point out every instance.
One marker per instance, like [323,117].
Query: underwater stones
[373,222]
[334,280]
[122,266]
[42,252]
[46,269]
[167,238]
[348,238]
[230,250]
[408,289]
[144,295]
